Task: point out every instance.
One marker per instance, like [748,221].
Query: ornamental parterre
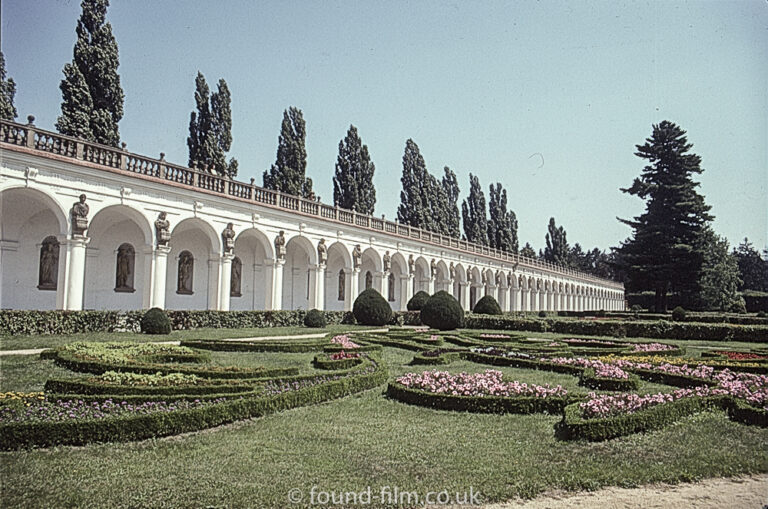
[489,383]
[344,341]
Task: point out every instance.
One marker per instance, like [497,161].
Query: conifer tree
[91,86]
[451,205]
[210,129]
[353,181]
[662,254]
[474,215]
[502,223]
[7,93]
[528,251]
[752,267]
[557,250]
[288,174]
[414,206]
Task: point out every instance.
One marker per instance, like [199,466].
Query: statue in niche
[452,270]
[433,268]
[342,283]
[357,256]
[80,216]
[411,265]
[510,279]
[162,229]
[228,238]
[49,264]
[186,267]
[484,276]
[470,275]
[235,279]
[498,278]
[368,280]
[322,252]
[280,245]
[387,260]
[391,288]
[125,261]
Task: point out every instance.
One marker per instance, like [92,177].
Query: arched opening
[368,280]
[399,271]
[125,265]
[391,287]
[236,278]
[199,243]
[370,271]
[342,286]
[185,274]
[421,275]
[255,252]
[29,219]
[300,254]
[339,259]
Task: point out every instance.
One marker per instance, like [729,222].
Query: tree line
[672,249]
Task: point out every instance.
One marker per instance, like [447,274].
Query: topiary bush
[418,301]
[678,314]
[371,308]
[155,321]
[543,314]
[442,311]
[315,319]
[487,306]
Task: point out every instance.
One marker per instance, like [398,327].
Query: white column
[75,273]
[464,290]
[431,286]
[214,266]
[406,291]
[225,280]
[381,283]
[275,284]
[159,276]
[317,288]
[513,299]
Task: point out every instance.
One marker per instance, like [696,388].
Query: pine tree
[719,280]
[528,251]
[557,250]
[752,267]
[7,93]
[210,129]
[474,215]
[288,174]
[662,253]
[353,182]
[451,206]
[502,223]
[92,73]
[414,207]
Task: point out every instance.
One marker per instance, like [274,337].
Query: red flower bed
[741,356]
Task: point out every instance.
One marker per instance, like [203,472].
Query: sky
[549,98]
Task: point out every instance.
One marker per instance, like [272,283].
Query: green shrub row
[66,360]
[322,361]
[292,346]
[573,426]
[654,330]
[588,379]
[690,317]
[479,404]
[15,435]
[396,343]
[84,386]
[443,359]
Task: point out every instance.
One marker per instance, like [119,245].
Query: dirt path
[721,493]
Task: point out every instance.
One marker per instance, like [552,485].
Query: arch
[370,263]
[421,275]
[368,280]
[199,238]
[341,285]
[391,297]
[117,277]
[300,256]
[459,282]
[236,278]
[185,280]
[255,252]
[29,217]
[339,258]
[399,269]
[443,278]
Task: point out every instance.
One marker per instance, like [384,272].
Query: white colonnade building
[227,245]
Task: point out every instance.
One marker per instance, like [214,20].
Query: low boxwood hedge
[479,404]
[443,358]
[84,386]
[322,361]
[589,379]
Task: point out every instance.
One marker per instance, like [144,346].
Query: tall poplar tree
[452,226]
[414,206]
[473,214]
[528,251]
[719,281]
[502,223]
[91,86]
[210,129]
[288,174]
[7,93]
[353,181]
[753,269]
[557,250]
[662,254]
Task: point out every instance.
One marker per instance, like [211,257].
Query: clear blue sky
[480,86]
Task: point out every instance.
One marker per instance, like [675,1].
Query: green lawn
[360,441]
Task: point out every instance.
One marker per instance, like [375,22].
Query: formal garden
[253,405]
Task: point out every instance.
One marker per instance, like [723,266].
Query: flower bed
[741,356]
[489,383]
[344,341]
[652,347]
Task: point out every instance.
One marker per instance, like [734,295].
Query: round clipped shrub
[487,306]
[371,308]
[417,301]
[442,311]
[678,314]
[155,321]
[315,319]
[543,314]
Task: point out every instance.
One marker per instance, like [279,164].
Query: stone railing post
[123,157]
[161,168]
[30,131]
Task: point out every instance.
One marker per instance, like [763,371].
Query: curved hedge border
[65,359]
[588,379]
[139,427]
[322,361]
[84,386]
[479,404]
[573,426]
[442,359]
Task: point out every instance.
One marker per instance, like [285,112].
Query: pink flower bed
[489,383]
[344,341]
[652,347]
[602,370]
[576,341]
[751,388]
[344,355]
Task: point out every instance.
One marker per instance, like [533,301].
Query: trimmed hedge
[478,404]
[588,379]
[487,305]
[417,301]
[16,435]
[83,386]
[654,330]
[155,321]
[444,358]
[315,319]
[442,311]
[370,308]
[322,361]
